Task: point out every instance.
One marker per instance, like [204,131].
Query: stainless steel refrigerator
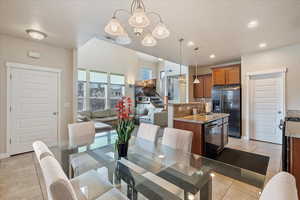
[227,99]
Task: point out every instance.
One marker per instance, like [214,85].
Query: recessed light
[212,56]
[262,45]
[190,44]
[37,35]
[160,59]
[252,24]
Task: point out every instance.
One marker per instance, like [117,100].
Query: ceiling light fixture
[37,35]
[196,81]
[252,24]
[212,56]
[190,44]
[139,21]
[181,77]
[262,45]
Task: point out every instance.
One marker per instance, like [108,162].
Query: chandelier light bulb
[114,28]
[139,19]
[149,41]
[160,31]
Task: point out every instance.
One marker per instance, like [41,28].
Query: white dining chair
[148,132]
[88,186]
[41,150]
[281,186]
[81,135]
[178,139]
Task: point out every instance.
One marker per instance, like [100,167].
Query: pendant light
[181,78]
[160,31]
[196,81]
[149,41]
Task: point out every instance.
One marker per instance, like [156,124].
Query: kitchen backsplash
[181,110]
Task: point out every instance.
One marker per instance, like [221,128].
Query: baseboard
[245,138]
[4,155]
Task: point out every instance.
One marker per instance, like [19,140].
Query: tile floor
[20,177]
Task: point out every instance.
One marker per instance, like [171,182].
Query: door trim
[281,71]
[10,66]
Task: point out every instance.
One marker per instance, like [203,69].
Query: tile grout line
[227,190]
[35,168]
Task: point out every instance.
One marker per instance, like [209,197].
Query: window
[117,89]
[98,90]
[145,74]
[81,91]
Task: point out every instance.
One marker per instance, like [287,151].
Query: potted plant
[125,125]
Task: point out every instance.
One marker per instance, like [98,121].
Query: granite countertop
[201,118]
[292,129]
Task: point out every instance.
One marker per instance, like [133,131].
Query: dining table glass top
[156,171]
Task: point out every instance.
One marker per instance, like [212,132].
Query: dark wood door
[218,76]
[233,75]
[199,88]
[207,86]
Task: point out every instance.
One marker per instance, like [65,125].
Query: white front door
[266,107]
[33,108]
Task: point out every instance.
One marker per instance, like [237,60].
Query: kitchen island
[210,132]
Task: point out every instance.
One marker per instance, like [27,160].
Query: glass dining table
[155,171]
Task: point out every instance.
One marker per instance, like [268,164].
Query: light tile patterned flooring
[20,177]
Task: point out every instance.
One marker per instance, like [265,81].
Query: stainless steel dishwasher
[214,141]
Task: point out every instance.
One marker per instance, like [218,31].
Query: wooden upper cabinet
[218,76]
[207,86]
[199,88]
[227,75]
[203,89]
[233,75]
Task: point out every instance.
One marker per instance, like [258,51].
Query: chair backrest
[57,184]
[281,186]
[81,134]
[148,131]
[178,139]
[41,150]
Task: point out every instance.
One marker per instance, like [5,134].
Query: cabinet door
[233,75]
[207,86]
[199,88]
[218,76]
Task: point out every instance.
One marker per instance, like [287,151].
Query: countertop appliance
[227,99]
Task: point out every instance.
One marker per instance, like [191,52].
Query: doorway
[266,106]
[33,106]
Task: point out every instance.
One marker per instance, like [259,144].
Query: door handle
[54,113]
[279,112]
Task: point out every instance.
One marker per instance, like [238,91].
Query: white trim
[11,65]
[31,67]
[3,155]
[271,71]
[283,71]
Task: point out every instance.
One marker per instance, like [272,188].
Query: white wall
[15,50]
[282,57]
[107,57]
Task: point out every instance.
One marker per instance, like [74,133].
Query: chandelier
[140,22]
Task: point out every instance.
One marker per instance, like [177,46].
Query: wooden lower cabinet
[198,135]
[295,160]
